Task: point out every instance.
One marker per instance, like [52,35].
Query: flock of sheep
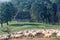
[42,33]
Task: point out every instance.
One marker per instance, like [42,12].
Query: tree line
[39,10]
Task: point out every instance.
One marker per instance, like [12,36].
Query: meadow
[18,26]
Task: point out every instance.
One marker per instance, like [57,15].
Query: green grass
[17,26]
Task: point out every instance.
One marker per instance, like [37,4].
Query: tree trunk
[7,23]
[1,24]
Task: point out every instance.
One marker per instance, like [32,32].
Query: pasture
[17,26]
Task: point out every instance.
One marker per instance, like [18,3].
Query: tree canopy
[39,10]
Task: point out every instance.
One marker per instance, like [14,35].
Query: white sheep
[39,31]
[43,32]
[33,33]
[39,34]
[26,33]
[58,34]
[0,36]
[4,37]
[29,33]
[12,36]
[48,35]
[16,35]
[20,32]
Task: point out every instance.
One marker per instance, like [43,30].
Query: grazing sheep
[0,36]
[39,34]
[58,34]
[56,31]
[43,32]
[4,37]
[48,35]
[29,33]
[33,34]
[39,31]
[20,32]
[12,36]
[15,36]
[54,34]
[26,34]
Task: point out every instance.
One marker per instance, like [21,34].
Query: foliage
[39,10]
[7,11]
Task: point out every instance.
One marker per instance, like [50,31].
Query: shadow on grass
[23,24]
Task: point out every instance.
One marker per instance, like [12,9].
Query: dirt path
[35,39]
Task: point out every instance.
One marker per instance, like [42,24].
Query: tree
[58,10]
[40,10]
[55,18]
[9,11]
[2,18]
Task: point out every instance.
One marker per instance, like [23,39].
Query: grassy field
[17,26]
